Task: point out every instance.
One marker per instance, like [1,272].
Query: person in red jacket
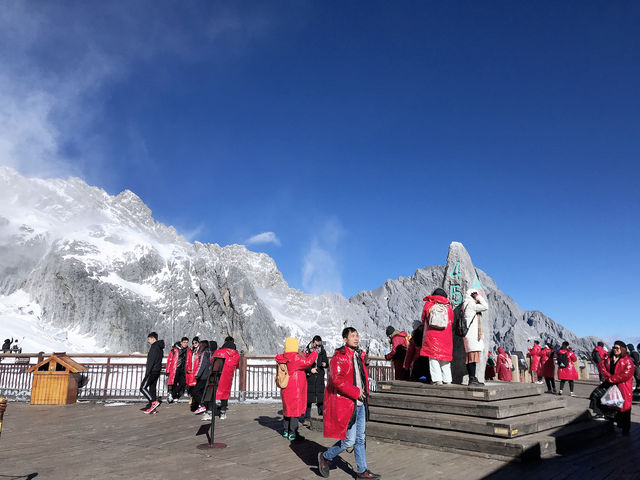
[417,366]
[534,353]
[568,372]
[437,341]
[504,366]
[192,367]
[294,395]
[598,355]
[176,368]
[617,370]
[345,405]
[398,351]
[231,361]
[547,368]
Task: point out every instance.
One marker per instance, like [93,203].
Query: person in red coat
[617,370]
[534,353]
[547,368]
[231,361]
[598,355]
[192,366]
[504,366]
[294,395]
[398,351]
[569,372]
[437,341]
[345,405]
[176,369]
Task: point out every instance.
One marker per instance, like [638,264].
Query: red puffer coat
[623,378]
[502,366]
[231,361]
[172,364]
[341,393]
[294,396]
[437,344]
[398,354]
[193,364]
[534,353]
[569,372]
[547,364]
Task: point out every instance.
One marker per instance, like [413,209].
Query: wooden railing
[118,376]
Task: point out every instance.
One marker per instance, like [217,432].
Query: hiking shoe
[200,409]
[153,407]
[323,465]
[223,414]
[368,474]
[475,381]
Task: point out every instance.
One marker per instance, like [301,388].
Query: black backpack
[563,360]
[459,325]
[595,356]
[636,357]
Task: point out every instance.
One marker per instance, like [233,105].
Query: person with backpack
[618,370]
[597,356]
[472,308]
[504,366]
[534,353]
[437,340]
[635,357]
[548,368]
[346,405]
[398,353]
[566,368]
[315,378]
[294,394]
[231,361]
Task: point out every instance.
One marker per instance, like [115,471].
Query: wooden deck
[95,441]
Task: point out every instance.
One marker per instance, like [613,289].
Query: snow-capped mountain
[100,268]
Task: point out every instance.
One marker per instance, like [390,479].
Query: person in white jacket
[474,304]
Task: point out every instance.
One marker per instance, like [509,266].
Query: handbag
[613,397]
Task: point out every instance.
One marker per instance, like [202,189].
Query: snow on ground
[20,319]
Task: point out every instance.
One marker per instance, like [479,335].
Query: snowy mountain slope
[101,266]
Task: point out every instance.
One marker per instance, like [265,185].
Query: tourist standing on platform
[635,358]
[566,369]
[548,368]
[534,353]
[437,341]
[152,372]
[201,376]
[617,370]
[474,305]
[598,355]
[192,366]
[294,395]
[490,369]
[177,369]
[231,361]
[315,378]
[345,405]
[417,366]
[398,351]
[504,366]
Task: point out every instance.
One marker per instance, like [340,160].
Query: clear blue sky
[366,136]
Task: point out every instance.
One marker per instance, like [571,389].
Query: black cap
[441,292]
[390,330]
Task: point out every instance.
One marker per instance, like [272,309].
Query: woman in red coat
[534,353]
[294,395]
[231,361]
[504,365]
[437,342]
[569,372]
[617,369]
[548,368]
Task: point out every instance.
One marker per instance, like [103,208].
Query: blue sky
[365,136]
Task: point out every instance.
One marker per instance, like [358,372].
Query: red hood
[500,350]
[285,357]
[436,299]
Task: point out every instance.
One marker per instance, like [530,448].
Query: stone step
[545,444]
[479,408]
[506,428]
[489,392]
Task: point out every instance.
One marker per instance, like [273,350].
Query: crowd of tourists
[10,345]
[187,370]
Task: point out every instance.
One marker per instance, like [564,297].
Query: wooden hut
[55,380]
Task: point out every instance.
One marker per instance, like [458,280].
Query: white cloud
[264,237]
[320,270]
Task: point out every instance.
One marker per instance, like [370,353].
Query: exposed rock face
[100,263]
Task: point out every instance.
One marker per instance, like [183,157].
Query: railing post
[106,378]
[242,394]
[40,357]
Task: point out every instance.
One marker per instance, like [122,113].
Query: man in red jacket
[398,351]
[345,405]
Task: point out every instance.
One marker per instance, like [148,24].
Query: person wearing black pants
[152,372]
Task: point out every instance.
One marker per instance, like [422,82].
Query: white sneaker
[206,417]
[223,415]
[169,398]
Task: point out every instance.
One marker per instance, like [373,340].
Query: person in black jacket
[315,378]
[152,372]
[202,376]
[635,356]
